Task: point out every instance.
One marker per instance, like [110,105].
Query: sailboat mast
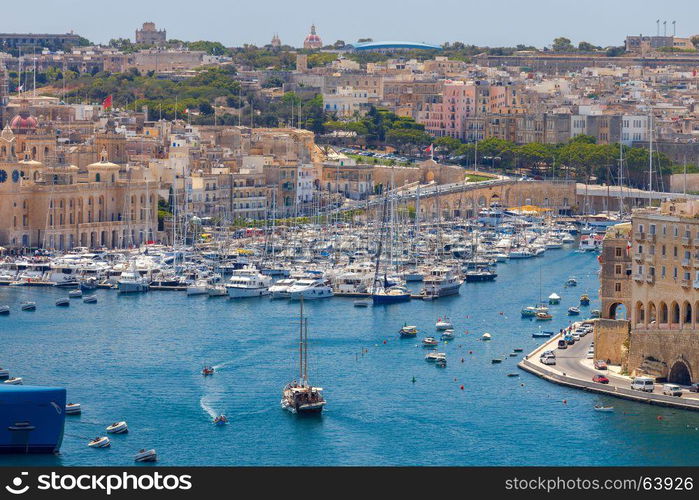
[305,351]
[301,343]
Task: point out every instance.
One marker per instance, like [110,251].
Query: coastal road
[573,362]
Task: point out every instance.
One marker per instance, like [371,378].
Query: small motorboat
[433,357]
[573,311]
[448,334]
[75,294]
[13,381]
[513,374]
[513,354]
[606,409]
[430,342]
[594,313]
[518,349]
[4,373]
[444,324]
[554,299]
[543,316]
[486,336]
[88,284]
[221,420]
[361,303]
[144,455]
[73,409]
[408,331]
[63,302]
[28,306]
[90,299]
[118,428]
[207,370]
[496,360]
[571,282]
[4,310]
[542,335]
[584,300]
[99,442]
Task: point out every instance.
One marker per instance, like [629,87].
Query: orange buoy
[384,342]
[462,387]
[660,417]
[565,401]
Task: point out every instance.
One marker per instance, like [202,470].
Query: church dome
[23,122]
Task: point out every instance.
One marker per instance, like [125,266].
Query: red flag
[428,149]
[107,103]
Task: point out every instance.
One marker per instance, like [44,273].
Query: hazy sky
[482,22]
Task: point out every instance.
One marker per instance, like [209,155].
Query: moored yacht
[310,288]
[280,289]
[441,282]
[390,295]
[248,282]
[131,281]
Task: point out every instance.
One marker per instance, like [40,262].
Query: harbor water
[139,358]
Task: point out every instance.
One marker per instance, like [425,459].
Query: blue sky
[482,22]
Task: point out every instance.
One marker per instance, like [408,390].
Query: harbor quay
[573,368]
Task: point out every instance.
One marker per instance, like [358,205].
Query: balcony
[686,283]
[650,237]
[638,236]
[686,241]
[696,284]
[650,278]
[638,277]
[686,263]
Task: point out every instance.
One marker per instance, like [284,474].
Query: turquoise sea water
[138,358]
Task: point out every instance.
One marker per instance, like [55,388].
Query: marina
[494,418]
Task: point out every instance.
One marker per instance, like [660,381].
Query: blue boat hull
[32,419]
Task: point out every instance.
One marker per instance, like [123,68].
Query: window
[617,251]
[662,272]
[674,252]
[617,269]
[617,287]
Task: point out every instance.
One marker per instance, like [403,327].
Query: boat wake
[207,407]
[223,365]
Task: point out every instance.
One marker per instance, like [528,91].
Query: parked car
[576,337]
[562,344]
[672,390]
[548,360]
[694,388]
[600,379]
[600,364]
[590,355]
[645,384]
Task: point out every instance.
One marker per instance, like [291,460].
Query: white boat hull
[241,293]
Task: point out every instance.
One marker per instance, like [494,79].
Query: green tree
[562,44]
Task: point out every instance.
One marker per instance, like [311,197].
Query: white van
[672,390]
[644,384]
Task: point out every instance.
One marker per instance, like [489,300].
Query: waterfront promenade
[573,369]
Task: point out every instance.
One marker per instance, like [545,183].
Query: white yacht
[248,282]
[440,282]
[310,288]
[199,287]
[131,281]
[280,289]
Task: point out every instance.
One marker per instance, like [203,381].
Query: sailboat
[300,396]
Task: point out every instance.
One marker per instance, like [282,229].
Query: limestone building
[149,35]
[651,267]
[46,203]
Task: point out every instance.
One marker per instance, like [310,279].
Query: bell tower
[4,93]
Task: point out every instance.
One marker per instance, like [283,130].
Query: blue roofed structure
[392,45]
